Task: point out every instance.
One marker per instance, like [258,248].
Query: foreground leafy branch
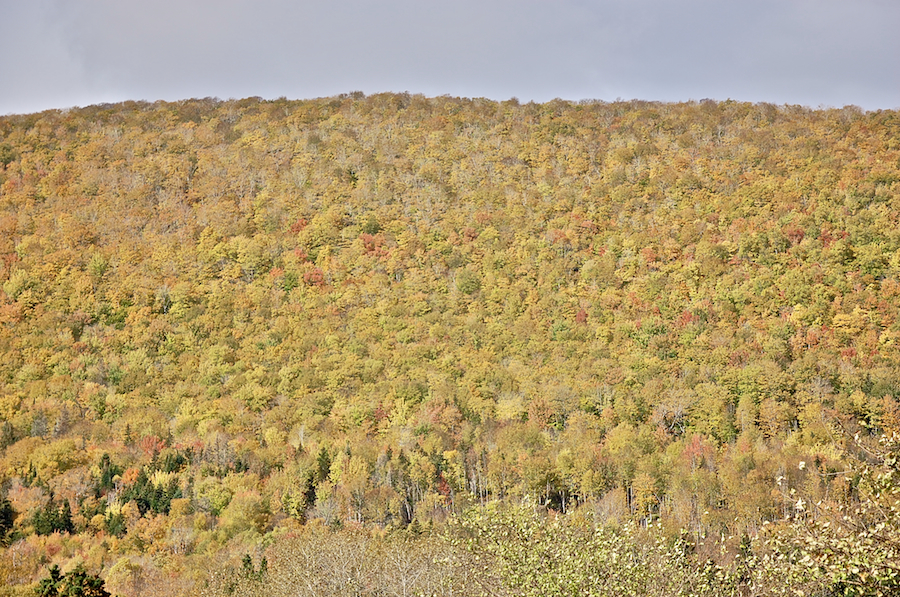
[852,548]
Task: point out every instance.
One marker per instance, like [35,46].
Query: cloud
[795,51]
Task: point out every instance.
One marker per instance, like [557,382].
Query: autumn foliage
[224,321]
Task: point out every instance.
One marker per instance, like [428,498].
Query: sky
[67,53]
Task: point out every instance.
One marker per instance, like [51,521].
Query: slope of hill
[222,320]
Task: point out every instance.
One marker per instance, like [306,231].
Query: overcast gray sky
[63,53]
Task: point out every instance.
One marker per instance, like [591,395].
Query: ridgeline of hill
[228,322]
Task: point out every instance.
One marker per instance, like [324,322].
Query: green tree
[7,519]
[77,583]
[53,518]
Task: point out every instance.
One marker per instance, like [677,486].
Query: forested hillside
[226,323]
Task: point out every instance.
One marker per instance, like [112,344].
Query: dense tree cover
[504,549]
[221,321]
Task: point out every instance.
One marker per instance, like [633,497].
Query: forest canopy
[222,322]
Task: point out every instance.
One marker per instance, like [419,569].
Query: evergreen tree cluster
[53,517]
[76,583]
